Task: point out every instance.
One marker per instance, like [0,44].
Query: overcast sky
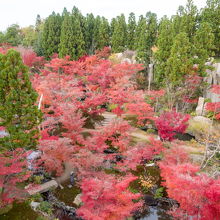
[24,12]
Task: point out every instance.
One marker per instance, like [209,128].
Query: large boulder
[78,201]
[213,73]
[212,78]
[214,97]
[127,56]
[3,132]
[203,129]
[199,127]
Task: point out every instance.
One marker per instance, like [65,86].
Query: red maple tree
[169,123]
[13,170]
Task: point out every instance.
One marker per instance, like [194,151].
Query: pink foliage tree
[74,91]
[171,122]
[13,170]
[107,197]
[196,193]
[215,106]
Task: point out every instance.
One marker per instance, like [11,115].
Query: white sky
[24,12]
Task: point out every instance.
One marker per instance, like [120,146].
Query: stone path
[108,117]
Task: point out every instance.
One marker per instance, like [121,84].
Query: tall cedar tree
[131,30]
[71,40]
[82,20]
[188,18]
[112,25]
[211,14]
[38,23]
[18,112]
[64,13]
[89,35]
[145,37]
[103,34]
[51,34]
[151,28]
[67,41]
[141,39]
[203,46]
[2,37]
[119,37]
[98,22]
[180,61]
[164,44]
[39,26]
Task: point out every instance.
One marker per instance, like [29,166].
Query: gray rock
[78,200]
[214,97]
[199,127]
[127,56]
[31,159]
[213,76]
[34,205]
[3,133]
[126,60]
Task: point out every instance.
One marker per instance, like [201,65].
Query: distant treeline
[190,36]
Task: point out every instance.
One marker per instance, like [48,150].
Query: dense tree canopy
[51,35]
[19,114]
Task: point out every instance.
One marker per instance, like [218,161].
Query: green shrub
[46,207]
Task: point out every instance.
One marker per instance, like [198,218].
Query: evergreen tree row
[76,35]
[186,39]
[185,43]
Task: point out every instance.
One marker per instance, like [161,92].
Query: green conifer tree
[82,20]
[96,36]
[164,44]
[211,14]
[119,37]
[89,34]
[64,13]
[39,26]
[51,35]
[141,41]
[112,26]
[186,20]
[19,113]
[103,34]
[152,28]
[2,37]
[203,46]
[71,40]
[180,61]
[139,27]
[131,30]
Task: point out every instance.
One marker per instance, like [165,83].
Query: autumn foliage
[75,92]
[29,57]
[13,170]
[215,106]
[72,95]
[107,198]
[197,194]
[169,123]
